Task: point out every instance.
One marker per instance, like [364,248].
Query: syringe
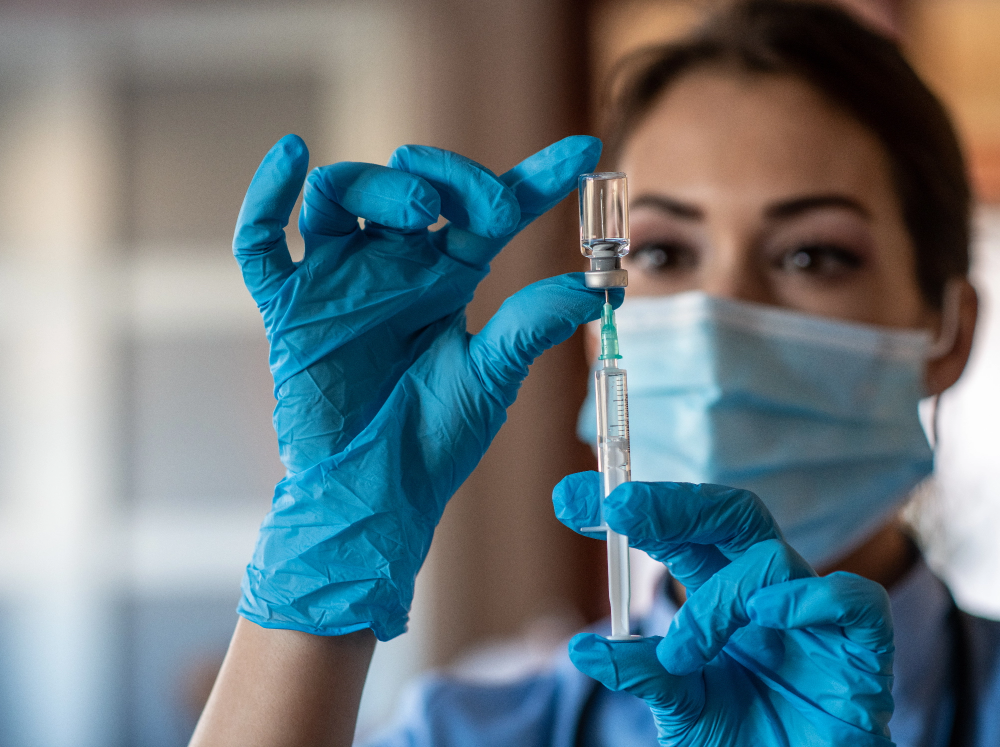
[604,240]
[613,462]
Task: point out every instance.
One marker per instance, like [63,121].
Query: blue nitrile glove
[385,402]
[346,322]
[763,652]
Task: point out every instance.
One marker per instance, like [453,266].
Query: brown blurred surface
[956,45]
[505,79]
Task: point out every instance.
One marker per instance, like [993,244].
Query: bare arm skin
[283,688]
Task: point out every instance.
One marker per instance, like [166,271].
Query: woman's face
[754,187]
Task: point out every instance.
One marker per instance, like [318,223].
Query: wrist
[334,557]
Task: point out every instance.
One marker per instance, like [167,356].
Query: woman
[800,245]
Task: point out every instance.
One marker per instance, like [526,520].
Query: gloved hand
[763,652]
[385,402]
[346,322]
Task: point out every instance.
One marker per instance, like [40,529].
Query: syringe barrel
[619,585]
[615,466]
[614,462]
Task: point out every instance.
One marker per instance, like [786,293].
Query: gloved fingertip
[537,317]
[472,197]
[774,606]
[582,643]
[590,300]
[615,296]
[576,500]
[419,202]
[589,653]
[572,484]
[400,157]
[279,177]
[588,147]
[594,148]
[293,147]
[268,205]
[767,609]
[620,508]
[619,665]
[543,179]
[389,197]
[677,657]
[426,208]
[621,495]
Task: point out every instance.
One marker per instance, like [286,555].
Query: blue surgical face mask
[818,417]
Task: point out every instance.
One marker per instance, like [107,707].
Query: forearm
[283,687]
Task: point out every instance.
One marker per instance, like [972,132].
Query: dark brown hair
[859,70]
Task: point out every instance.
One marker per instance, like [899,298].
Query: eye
[820,259]
[663,256]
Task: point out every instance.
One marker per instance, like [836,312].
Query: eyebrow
[784,209]
[797,206]
[669,205]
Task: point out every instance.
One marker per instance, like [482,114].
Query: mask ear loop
[934,421]
[945,342]
[950,311]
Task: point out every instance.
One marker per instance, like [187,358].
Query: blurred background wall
[136,452]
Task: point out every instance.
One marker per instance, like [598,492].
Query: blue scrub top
[946,689]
